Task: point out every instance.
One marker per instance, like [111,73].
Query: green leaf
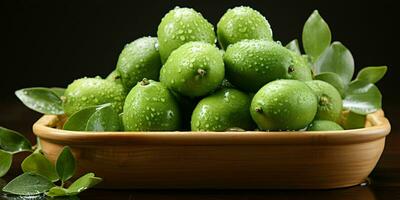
[372,74]
[58,191]
[351,120]
[294,46]
[78,121]
[42,100]
[65,164]
[104,119]
[13,141]
[316,35]
[337,59]
[334,80]
[94,118]
[58,91]
[5,162]
[83,183]
[28,184]
[39,164]
[362,98]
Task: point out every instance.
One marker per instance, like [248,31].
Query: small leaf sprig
[40,175]
[49,101]
[334,63]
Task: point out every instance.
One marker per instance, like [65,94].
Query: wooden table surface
[384,181]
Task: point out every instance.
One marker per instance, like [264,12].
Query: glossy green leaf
[13,141]
[316,35]
[334,80]
[294,46]
[28,184]
[39,164]
[104,119]
[372,74]
[337,59]
[351,120]
[362,98]
[58,91]
[5,162]
[94,118]
[78,121]
[65,164]
[83,183]
[42,100]
[58,191]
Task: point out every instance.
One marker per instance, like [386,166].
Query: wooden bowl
[221,160]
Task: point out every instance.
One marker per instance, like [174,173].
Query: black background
[51,43]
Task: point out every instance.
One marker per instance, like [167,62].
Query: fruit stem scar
[290,69]
[323,100]
[259,109]
[144,82]
[201,72]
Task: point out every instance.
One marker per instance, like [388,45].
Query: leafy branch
[40,175]
[334,63]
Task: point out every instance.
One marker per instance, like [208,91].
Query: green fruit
[182,25]
[329,100]
[150,106]
[139,59]
[242,23]
[114,76]
[250,64]
[87,92]
[284,105]
[194,69]
[324,125]
[227,108]
[300,69]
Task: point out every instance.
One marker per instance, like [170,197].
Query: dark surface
[384,182]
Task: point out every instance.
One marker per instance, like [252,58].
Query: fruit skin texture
[182,25]
[324,125]
[139,59]
[242,23]
[227,108]
[329,100]
[284,105]
[86,92]
[150,106]
[194,69]
[250,64]
[300,69]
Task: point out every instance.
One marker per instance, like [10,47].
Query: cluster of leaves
[334,63]
[49,101]
[40,175]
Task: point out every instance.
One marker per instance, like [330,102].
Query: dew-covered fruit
[324,125]
[182,25]
[194,69]
[139,59]
[250,64]
[329,100]
[114,76]
[284,105]
[227,108]
[87,92]
[300,69]
[242,23]
[150,106]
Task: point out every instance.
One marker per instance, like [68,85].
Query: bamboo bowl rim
[379,127]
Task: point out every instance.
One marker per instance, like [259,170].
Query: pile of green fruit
[183,80]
